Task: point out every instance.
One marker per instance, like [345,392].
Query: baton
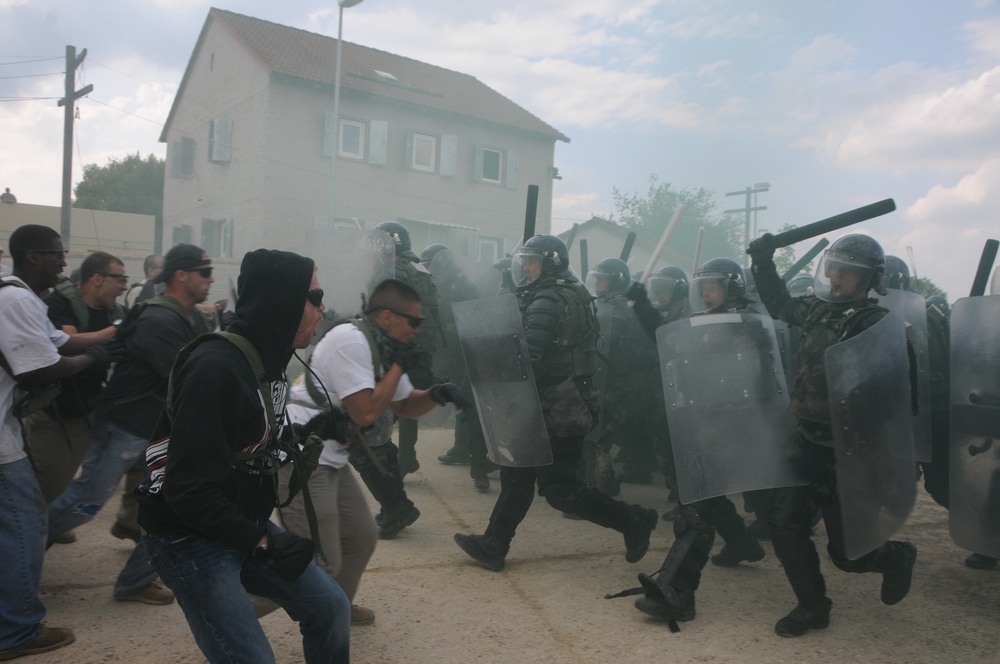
[697,249]
[661,245]
[805,260]
[831,224]
[571,236]
[985,265]
[530,210]
[584,267]
[627,249]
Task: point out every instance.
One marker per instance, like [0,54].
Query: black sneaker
[641,524]
[732,555]
[396,519]
[979,561]
[803,619]
[896,585]
[485,551]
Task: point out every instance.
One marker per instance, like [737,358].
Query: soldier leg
[480,465]
[517,490]
[759,504]
[458,455]
[422,377]
[739,545]
[379,469]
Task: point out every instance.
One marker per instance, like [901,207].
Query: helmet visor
[708,291]
[661,290]
[526,267]
[842,277]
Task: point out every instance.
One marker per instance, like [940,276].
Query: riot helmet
[541,255]
[430,251]
[667,286]
[400,237]
[938,302]
[801,286]
[715,283]
[851,267]
[897,274]
[609,276]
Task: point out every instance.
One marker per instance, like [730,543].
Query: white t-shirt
[343,362]
[28,341]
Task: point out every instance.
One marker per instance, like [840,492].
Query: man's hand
[286,555]
[637,293]
[329,425]
[449,393]
[762,249]
[104,354]
[406,356]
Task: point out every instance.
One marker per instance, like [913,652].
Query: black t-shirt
[78,392]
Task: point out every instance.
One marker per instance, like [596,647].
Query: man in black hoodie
[212,487]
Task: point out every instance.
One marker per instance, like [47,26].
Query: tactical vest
[81,311]
[422,282]
[575,342]
[826,324]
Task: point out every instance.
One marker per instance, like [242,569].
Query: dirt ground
[435,605]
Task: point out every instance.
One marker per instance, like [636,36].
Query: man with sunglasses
[32,352]
[128,409]
[58,436]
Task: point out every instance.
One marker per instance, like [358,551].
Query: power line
[27,98]
[24,62]
[54,73]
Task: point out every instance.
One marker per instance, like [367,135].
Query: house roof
[310,56]
[669,256]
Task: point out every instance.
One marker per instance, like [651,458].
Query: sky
[835,105]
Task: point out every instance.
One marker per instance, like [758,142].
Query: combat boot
[976,561]
[397,517]
[487,551]
[641,523]
[656,606]
[896,583]
[731,555]
[802,619]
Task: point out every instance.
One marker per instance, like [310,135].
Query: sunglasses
[205,272]
[414,321]
[62,252]
[315,297]
[122,278]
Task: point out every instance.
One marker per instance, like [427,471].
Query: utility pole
[750,206]
[72,63]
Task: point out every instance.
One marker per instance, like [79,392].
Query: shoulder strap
[317,396]
[66,288]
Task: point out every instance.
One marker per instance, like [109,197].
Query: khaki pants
[57,449]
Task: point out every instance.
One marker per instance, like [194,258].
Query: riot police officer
[840,309]
[561,330]
[411,272]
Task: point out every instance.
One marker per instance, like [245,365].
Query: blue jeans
[112,452]
[22,548]
[211,582]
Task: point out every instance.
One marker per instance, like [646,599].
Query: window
[217,237]
[424,153]
[220,140]
[490,250]
[352,139]
[492,165]
[181,234]
[180,154]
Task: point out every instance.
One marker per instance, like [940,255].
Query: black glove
[762,249]
[637,293]
[328,425]
[405,355]
[449,393]
[104,354]
[286,555]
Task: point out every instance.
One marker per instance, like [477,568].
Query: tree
[926,287]
[649,216]
[132,184]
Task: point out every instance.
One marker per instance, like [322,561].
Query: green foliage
[132,184]
[926,287]
[648,215]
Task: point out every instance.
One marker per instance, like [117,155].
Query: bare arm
[100,335]
[66,366]
[418,403]
[365,406]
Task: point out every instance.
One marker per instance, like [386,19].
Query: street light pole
[335,149]
[749,206]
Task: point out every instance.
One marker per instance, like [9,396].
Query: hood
[271,296]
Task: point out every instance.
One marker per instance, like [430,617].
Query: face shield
[842,277]
[708,291]
[597,283]
[660,290]
[526,267]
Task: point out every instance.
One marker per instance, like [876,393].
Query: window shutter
[378,142]
[329,134]
[477,167]
[221,140]
[449,155]
[512,167]
[409,149]
[187,156]
[174,157]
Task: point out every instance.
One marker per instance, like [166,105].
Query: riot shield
[350,263]
[787,344]
[496,356]
[974,494]
[868,382]
[605,318]
[913,307]
[727,405]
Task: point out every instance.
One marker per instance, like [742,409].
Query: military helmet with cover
[851,267]
[609,276]
[547,251]
[400,237]
[715,282]
[897,274]
[430,251]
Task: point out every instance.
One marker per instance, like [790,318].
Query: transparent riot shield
[868,381]
[350,264]
[496,356]
[784,334]
[727,405]
[605,318]
[913,307]
[974,493]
